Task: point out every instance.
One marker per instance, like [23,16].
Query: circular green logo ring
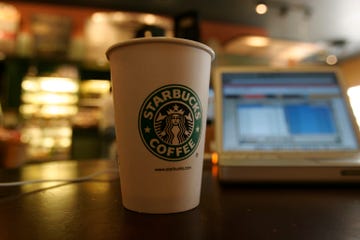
[170,122]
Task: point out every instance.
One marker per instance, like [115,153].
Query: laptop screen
[285,111]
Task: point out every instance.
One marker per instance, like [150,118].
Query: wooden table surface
[93,210]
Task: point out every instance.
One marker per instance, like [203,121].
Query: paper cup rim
[171,40]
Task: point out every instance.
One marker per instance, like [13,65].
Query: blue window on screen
[310,119]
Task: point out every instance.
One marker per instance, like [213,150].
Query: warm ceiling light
[276,51]
[99,17]
[331,59]
[256,41]
[149,19]
[261,8]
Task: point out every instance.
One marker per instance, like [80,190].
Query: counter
[93,210]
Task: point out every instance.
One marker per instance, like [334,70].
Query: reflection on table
[93,210]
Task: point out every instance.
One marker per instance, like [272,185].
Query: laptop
[284,125]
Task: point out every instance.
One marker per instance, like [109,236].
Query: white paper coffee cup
[160,88]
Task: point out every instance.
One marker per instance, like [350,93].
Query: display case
[48,104]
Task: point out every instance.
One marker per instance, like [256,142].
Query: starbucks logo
[170,122]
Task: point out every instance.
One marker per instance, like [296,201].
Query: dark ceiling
[330,22]
[237,11]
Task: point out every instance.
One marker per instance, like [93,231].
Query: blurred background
[55,80]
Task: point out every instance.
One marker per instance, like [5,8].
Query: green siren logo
[170,122]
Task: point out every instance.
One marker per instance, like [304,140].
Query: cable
[79,179]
